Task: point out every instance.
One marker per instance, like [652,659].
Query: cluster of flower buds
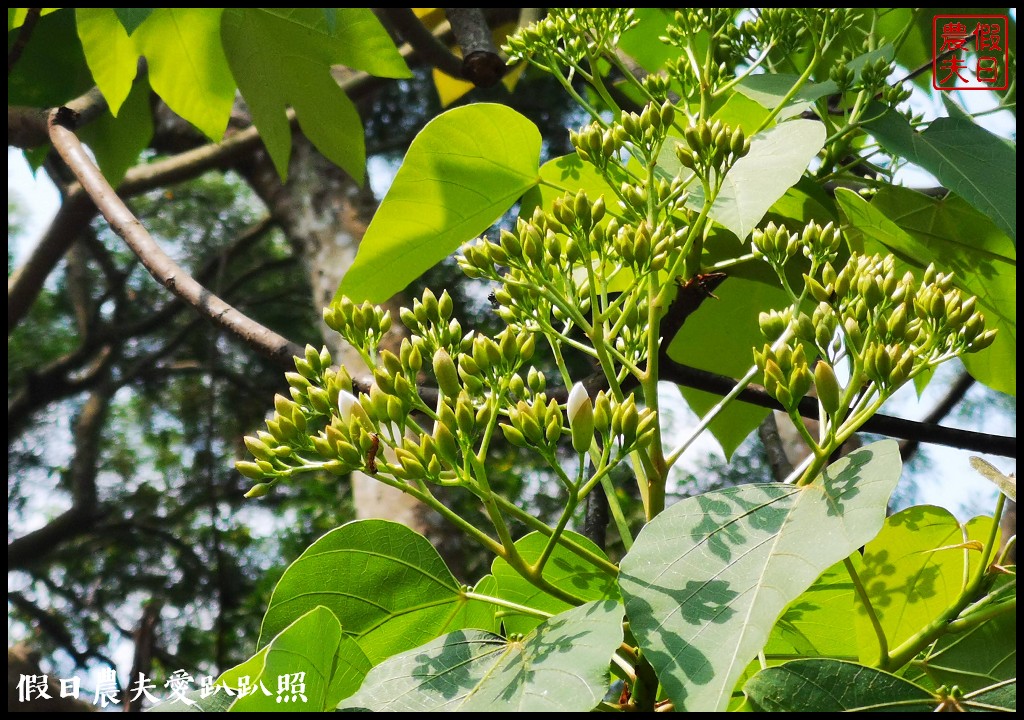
[596,145]
[787,375]
[645,130]
[891,327]
[776,244]
[540,425]
[314,388]
[363,326]
[874,76]
[568,35]
[712,147]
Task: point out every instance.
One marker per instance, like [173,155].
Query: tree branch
[481,63]
[953,397]
[81,516]
[26,126]
[427,45]
[27,26]
[160,265]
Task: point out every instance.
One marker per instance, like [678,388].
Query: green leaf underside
[561,666]
[309,645]
[966,158]
[706,580]
[563,569]
[776,161]
[283,58]
[913,570]
[730,353]
[464,169]
[834,686]
[923,230]
[385,583]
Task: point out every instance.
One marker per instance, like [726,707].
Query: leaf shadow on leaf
[842,486]
[722,527]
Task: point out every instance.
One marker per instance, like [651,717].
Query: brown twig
[156,261]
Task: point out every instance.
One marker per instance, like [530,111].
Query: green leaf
[921,230]
[111,54]
[362,42]
[974,659]
[999,697]
[564,569]
[834,686]
[820,622]
[385,583]
[282,58]
[966,158]
[186,65]
[707,578]
[52,68]
[350,668]
[562,666]
[118,142]
[776,161]
[913,570]
[720,337]
[463,170]
[304,652]
[131,18]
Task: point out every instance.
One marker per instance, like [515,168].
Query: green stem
[966,622]
[804,77]
[521,609]
[615,509]
[532,522]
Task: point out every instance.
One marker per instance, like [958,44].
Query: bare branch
[81,516]
[481,63]
[26,126]
[956,393]
[159,264]
[427,45]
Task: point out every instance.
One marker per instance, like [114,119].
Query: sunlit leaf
[385,583]
[111,54]
[308,646]
[913,570]
[186,65]
[564,569]
[464,169]
[966,158]
[707,579]
[283,57]
[834,686]
[976,658]
[776,161]
[561,666]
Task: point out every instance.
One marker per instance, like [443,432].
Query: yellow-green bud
[827,386]
[259,490]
